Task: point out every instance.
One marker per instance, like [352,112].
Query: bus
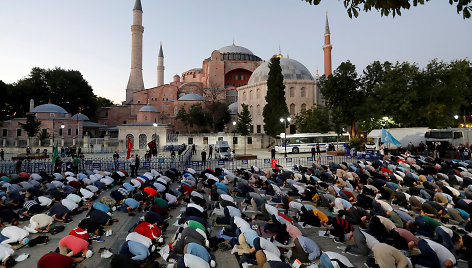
[303,142]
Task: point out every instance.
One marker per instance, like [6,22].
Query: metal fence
[180,162]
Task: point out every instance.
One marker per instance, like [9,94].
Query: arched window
[258,109]
[244,96]
[131,138]
[292,109]
[302,92]
[258,93]
[250,95]
[251,111]
[303,107]
[292,92]
[142,141]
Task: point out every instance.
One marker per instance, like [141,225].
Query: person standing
[132,165]
[75,164]
[204,155]
[172,153]
[313,152]
[116,156]
[2,154]
[436,149]
[137,165]
[272,153]
[318,151]
[210,152]
[194,149]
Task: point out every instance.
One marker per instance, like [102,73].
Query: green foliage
[356,143]
[244,121]
[43,136]
[31,126]
[196,116]
[276,106]
[342,97]
[314,120]
[104,102]
[394,7]
[218,115]
[215,116]
[66,88]
[402,92]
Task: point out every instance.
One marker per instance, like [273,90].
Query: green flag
[55,153]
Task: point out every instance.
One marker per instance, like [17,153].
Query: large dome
[291,70]
[49,108]
[233,108]
[191,97]
[235,49]
[82,117]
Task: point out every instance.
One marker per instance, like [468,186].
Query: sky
[94,37]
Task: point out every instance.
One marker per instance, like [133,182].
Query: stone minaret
[135,82]
[160,67]
[327,49]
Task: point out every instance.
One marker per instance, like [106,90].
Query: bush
[356,143]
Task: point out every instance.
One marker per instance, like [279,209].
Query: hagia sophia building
[232,74]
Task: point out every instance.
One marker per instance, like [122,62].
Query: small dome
[82,117]
[235,49]
[49,108]
[233,108]
[191,97]
[148,108]
[291,70]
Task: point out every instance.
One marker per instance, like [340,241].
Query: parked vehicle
[403,135]
[303,142]
[449,136]
[223,151]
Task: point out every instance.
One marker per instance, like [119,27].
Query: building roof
[161,54]
[291,70]
[49,108]
[233,108]
[137,5]
[148,108]
[191,97]
[82,117]
[235,49]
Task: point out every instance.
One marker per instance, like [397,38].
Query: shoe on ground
[98,239]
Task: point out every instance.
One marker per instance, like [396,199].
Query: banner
[153,147]
[130,146]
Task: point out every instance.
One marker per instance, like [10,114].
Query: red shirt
[75,244]
[80,233]
[148,230]
[75,184]
[150,191]
[55,260]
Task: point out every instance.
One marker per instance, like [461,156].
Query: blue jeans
[325,261]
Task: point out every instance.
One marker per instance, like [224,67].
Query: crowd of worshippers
[397,212]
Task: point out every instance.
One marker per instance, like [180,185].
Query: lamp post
[285,120]
[62,134]
[234,136]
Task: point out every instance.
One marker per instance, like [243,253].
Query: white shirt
[443,253]
[195,206]
[74,198]
[385,206]
[266,245]
[241,223]
[171,198]
[86,193]
[69,204]
[295,205]
[271,256]
[193,261]
[370,240]
[44,201]
[14,234]
[139,239]
[5,252]
[271,209]
[336,256]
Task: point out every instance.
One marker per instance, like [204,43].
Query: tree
[394,7]
[31,126]
[276,106]
[218,115]
[104,102]
[342,97]
[314,120]
[244,123]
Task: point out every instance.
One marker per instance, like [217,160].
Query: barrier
[180,162]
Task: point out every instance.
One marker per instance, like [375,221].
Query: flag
[153,147]
[273,163]
[77,119]
[130,146]
[55,153]
[388,138]
[319,159]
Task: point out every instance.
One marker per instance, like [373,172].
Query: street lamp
[234,135]
[456,117]
[285,120]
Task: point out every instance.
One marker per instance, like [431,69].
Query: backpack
[56,229]
[38,240]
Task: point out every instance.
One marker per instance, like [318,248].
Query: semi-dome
[235,49]
[49,108]
[191,97]
[233,108]
[148,108]
[82,117]
[291,70]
